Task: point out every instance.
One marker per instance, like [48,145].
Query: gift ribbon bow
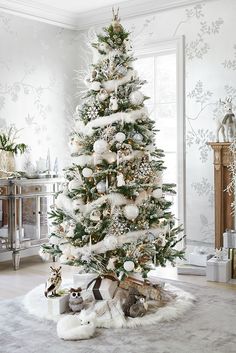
[98,281]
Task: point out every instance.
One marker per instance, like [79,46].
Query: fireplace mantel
[223,213]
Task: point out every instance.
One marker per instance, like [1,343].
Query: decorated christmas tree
[112,215]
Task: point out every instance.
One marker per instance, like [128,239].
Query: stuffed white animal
[77,327]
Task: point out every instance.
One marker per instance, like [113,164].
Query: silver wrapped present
[229,239]
[218,270]
[58,305]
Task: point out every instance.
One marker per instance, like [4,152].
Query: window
[162,66]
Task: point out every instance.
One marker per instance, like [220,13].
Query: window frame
[165,46]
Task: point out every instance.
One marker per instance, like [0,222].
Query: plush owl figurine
[139,308]
[53,283]
[76,302]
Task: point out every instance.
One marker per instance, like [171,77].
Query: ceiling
[82,14]
[78,6]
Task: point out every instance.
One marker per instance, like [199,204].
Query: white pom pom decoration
[75,145]
[63,202]
[110,242]
[110,157]
[100,146]
[136,98]
[111,263]
[131,212]
[54,240]
[44,255]
[87,172]
[128,266]
[138,137]
[101,187]
[102,95]
[157,193]
[74,184]
[95,86]
[120,137]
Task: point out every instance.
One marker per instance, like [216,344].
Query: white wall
[37,86]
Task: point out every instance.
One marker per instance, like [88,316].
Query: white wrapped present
[218,270]
[58,305]
[83,279]
[229,239]
[103,287]
[198,259]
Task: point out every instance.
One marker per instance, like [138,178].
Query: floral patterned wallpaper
[38,93]
[210,53]
[37,87]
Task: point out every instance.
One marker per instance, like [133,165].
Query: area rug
[210,326]
[110,313]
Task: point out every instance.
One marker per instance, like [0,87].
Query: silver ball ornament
[136,98]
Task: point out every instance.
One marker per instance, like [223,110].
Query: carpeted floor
[209,327]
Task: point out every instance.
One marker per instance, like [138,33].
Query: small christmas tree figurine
[112,215]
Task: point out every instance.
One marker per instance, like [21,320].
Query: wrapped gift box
[58,305]
[198,259]
[229,239]
[103,288]
[83,279]
[218,270]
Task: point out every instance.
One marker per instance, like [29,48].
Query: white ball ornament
[101,187]
[157,193]
[110,242]
[87,172]
[138,137]
[95,86]
[131,212]
[136,98]
[128,266]
[100,146]
[120,137]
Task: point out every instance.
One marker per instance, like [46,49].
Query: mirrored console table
[24,207]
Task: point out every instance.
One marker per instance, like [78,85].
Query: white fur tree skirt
[109,312]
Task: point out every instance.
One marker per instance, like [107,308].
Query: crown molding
[80,21]
[39,12]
